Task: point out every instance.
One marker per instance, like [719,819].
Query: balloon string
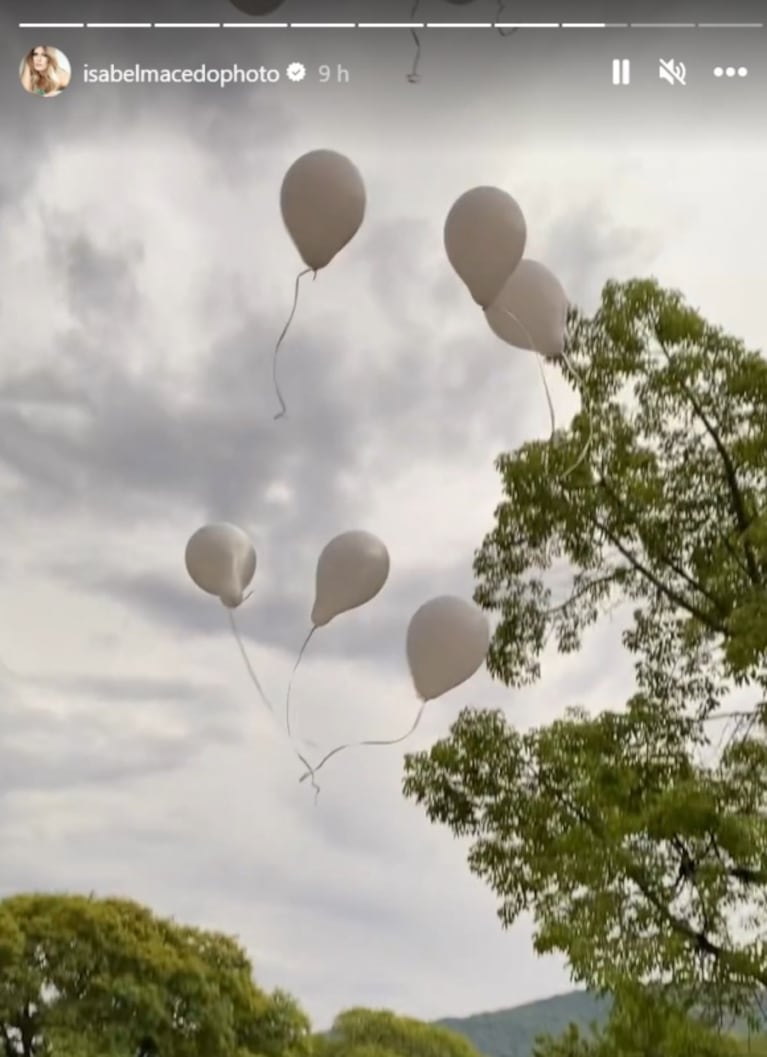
[255,680]
[307,640]
[361,744]
[414,76]
[299,277]
[244,654]
[499,18]
[547,391]
[529,339]
[582,384]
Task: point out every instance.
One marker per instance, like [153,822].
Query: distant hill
[512,1032]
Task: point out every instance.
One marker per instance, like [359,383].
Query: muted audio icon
[672,71]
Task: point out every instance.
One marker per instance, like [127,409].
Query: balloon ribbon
[499,16]
[283,409]
[312,771]
[262,694]
[290,684]
[414,76]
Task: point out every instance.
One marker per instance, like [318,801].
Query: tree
[640,852]
[84,977]
[645,1023]
[380,1033]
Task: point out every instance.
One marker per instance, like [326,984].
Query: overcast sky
[145,274]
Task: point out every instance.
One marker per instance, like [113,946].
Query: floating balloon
[323,204]
[351,570]
[447,642]
[530,312]
[485,238]
[257,7]
[221,560]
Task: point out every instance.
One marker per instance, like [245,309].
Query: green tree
[641,853]
[380,1033]
[644,1023]
[84,977]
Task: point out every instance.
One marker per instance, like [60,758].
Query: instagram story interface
[383,446]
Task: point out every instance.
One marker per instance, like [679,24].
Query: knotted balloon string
[414,76]
[283,409]
[361,744]
[262,694]
[504,32]
[306,642]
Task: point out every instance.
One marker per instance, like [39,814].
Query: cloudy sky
[145,275]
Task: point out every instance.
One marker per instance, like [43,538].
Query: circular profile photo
[45,71]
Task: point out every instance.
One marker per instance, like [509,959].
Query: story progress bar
[391,25]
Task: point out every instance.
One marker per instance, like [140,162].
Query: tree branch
[737,502]
[662,588]
[662,555]
[8,1044]
[583,590]
[697,938]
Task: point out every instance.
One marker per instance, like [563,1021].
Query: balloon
[351,570]
[485,237]
[531,311]
[323,205]
[447,642]
[221,560]
[257,7]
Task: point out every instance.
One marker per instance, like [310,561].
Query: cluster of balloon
[447,638]
[523,302]
[414,77]
[446,644]
[323,202]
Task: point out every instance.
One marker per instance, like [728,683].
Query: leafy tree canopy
[650,1024]
[84,977]
[380,1033]
[640,852]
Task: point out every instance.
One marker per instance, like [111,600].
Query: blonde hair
[43,81]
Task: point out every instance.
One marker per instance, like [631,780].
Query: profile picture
[45,71]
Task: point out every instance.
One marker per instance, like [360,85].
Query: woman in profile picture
[43,72]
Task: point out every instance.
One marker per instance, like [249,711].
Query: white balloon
[531,311]
[485,237]
[323,205]
[351,570]
[221,560]
[447,642]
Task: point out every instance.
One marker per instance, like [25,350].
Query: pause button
[621,71]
